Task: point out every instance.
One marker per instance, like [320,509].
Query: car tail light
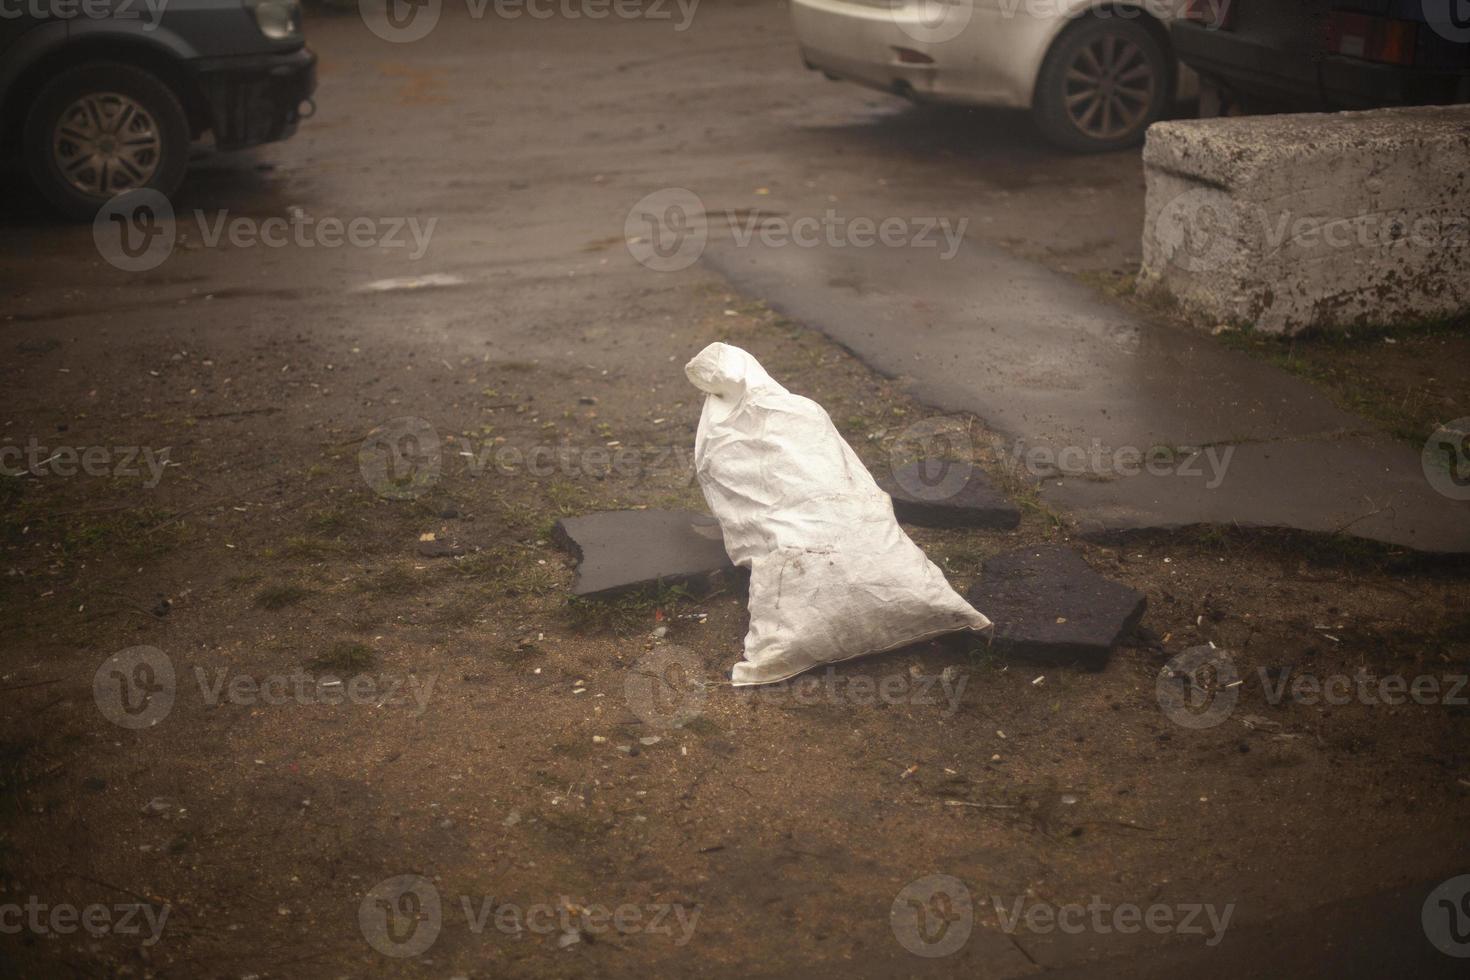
[1214,14]
[1390,42]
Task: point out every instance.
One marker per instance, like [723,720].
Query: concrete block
[1322,220]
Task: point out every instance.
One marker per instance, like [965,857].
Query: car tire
[93,102]
[1130,88]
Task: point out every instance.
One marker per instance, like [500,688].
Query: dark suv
[105,96]
[1328,55]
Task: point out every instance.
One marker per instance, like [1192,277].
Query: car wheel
[1104,82]
[99,129]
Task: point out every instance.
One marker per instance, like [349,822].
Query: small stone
[156,806]
[511,820]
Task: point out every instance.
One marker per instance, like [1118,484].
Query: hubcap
[106,143]
[1109,88]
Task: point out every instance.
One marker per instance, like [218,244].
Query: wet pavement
[1084,390]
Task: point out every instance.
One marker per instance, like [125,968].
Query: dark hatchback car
[104,96]
[1328,55]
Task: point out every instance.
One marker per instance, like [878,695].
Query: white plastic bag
[832,575]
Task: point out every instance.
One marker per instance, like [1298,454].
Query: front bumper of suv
[256,99]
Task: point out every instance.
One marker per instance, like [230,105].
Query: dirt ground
[498,752]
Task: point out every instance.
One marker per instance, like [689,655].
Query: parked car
[1095,74]
[101,98]
[1328,55]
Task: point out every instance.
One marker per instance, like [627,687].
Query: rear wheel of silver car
[1104,82]
[100,129]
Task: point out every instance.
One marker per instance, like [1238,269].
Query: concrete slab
[940,493]
[1320,220]
[1048,604]
[626,550]
[1053,367]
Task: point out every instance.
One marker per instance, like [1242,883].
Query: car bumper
[883,44]
[1334,82]
[258,98]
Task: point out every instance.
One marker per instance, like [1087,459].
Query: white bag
[832,575]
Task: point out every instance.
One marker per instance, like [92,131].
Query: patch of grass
[1115,284]
[133,534]
[462,610]
[1032,504]
[565,497]
[515,571]
[393,580]
[485,564]
[345,656]
[629,613]
[530,579]
[304,548]
[329,521]
[1362,374]
[280,596]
